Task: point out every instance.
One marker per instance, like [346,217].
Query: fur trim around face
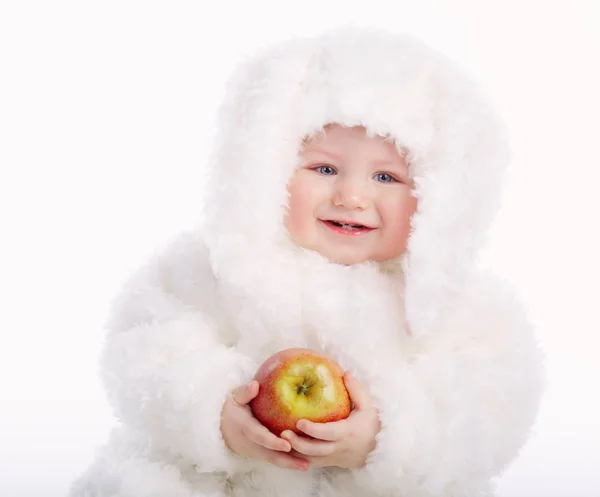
[394,86]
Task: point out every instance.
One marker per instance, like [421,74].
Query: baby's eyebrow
[383,162]
[386,162]
[322,152]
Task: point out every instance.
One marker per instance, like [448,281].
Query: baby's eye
[385,178]
[325,170]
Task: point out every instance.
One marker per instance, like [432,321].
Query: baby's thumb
[245,393]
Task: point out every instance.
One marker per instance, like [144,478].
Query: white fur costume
[457,395]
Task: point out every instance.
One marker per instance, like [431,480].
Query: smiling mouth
[347,228]
[347,225]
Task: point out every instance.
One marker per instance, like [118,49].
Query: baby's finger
[283,460]
[359,396]
[259,434]
[331,432]
[309,447]
[245,393]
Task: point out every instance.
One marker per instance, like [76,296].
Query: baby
[349,195]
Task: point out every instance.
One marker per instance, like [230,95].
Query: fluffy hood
[392,85]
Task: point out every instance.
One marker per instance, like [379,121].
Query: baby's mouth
[347,227]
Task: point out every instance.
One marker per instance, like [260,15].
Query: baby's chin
[347,261]
[344,256]
[349,258]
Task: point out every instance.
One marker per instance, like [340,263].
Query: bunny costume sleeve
[457,411]
[165,366]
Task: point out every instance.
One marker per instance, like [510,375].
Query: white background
[106,119]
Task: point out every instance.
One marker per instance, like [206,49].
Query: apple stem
[302,389]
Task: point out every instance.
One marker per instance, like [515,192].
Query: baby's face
[350,198]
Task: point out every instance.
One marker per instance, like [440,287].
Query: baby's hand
[247,437]
[345,443]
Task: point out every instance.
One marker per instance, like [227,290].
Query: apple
[299,384]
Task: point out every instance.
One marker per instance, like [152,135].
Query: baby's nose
[351,195]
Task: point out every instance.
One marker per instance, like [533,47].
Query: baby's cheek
[396,217]
[305,194]
[292,224]
[394,245]
[296,222]
[402,230]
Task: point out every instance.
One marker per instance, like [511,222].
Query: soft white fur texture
[457,396]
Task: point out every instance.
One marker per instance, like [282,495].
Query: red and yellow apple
[299,384]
